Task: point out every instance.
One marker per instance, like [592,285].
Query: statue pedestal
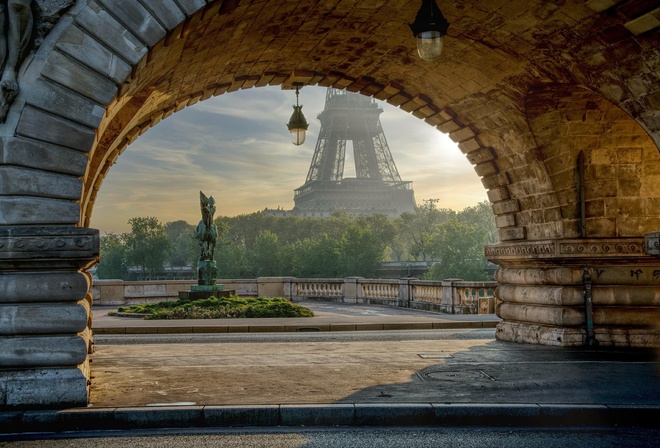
[198,292]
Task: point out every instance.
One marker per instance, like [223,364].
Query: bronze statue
[206,234]
[16,25]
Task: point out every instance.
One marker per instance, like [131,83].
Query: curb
[270,328]
[357,414]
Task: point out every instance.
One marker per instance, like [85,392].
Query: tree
[184,247]
[360,252]
[113,257]
[148,245]
[458,244]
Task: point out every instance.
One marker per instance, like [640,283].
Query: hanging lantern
[297,124]
[429,28]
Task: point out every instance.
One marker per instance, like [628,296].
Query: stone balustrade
[451,296]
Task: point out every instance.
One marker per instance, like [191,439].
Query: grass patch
[218,308]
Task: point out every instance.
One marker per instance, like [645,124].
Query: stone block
[530,333]
[647,296]
[541,295]
[191,6]
[57,100]
[505,221]
[166,11]
[18,181]
[159,417]
[21,211]
[562,316]
[39,155]
[539,276]
[57,248]
[96,21]
[512,233]
[248,415]
[136,18]
[27,287]
[90,52]
[69,73]
[504,207]
[393,414]
[498,194]
[48,128]
[486,169]
[42,351]
[627,317]
[26,319]
[317,415]
[43,387]
[481,155]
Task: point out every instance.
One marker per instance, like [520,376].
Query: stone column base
[47,387]
[543,289]
[45,317]
[574,337]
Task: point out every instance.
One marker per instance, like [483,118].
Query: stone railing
[450,296]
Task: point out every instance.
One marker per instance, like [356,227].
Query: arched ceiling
[495,52]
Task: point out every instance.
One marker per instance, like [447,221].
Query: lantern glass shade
[298,126]
[429,45]
[298,136]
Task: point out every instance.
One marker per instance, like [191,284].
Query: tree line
[261,245]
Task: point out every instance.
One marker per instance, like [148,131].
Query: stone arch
[111,69]
[622,185]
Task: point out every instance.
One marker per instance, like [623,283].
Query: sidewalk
[464,377]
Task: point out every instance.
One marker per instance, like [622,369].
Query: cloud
[236,147]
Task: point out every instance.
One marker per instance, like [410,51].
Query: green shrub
[219,308]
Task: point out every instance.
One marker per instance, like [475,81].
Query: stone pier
[543,287]
[45,318]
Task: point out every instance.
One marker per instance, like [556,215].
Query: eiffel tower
[377,186]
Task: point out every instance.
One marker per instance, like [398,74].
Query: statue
[16,21]
[206,235]
[18,33]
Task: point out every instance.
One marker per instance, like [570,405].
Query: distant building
[377,187]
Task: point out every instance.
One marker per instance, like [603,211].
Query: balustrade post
[449,298]
[404,292]
[351,289]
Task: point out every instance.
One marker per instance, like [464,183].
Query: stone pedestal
[45,317]
[543,288]
[198,292]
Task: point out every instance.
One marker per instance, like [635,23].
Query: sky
[236,147]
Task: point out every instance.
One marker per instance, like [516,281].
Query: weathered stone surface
[55,247]
[49,128]
[544,315]
[90,52]
[96,21]
[63,70]
[26,287]
[191,6]
[167,12]
[65,103]
[40,319]
[539,276]
[39,155]
[21,211]
[43,387]
[19,181]
[42,351]
[542,295]
[136,18]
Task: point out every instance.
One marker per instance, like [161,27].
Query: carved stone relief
[23,27]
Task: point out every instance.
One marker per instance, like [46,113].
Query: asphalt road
[354,437]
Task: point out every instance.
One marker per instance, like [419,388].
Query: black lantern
[429,28]
[297,124]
